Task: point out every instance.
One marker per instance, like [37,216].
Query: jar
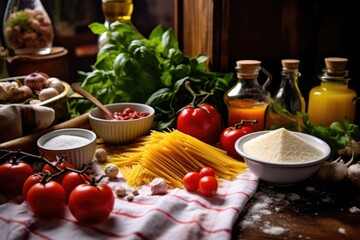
[27,27]
[247,99]
[116,10]
[288,100]
[332,100]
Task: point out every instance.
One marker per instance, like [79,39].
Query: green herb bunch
[132,68]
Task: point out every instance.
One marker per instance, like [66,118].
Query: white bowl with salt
[76,145]
[281,157]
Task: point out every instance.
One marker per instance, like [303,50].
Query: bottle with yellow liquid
[116,10]
[333,100]
[247,99]
[288,100]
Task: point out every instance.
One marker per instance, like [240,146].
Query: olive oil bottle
[288,100]
[116,10]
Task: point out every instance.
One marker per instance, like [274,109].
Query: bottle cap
[291,64]
[248,68]
[335,63]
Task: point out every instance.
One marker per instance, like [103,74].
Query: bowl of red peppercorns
[128,122]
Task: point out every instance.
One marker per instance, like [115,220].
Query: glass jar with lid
[332,100]
[27,27]
[248,99]
[288,99]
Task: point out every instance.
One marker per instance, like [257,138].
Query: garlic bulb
[334,171]
[20,94]
[354,173]
[47,93]
[55,83]
[35,81]
[5,88]
[158,186]
[111,170]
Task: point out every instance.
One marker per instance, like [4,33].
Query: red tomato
[202,122]
[91,203]
[60,164]
[207,171]
[191,181]
[29,182]
[47,200]
[229,136]
[208,186]
[13,175]
[72,180]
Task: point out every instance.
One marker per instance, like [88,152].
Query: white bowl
[78,154]
[283,173]
[121,131]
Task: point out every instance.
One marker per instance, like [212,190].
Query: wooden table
[310,210]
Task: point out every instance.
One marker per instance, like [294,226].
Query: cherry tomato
[47,199]
[29,182]
[202,122]
[229,136]
[191,181]
[60,164]
[72,180]
[13,175]
[91,203]
[208,186]
[207,171]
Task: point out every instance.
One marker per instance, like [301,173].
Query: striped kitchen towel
[176,215]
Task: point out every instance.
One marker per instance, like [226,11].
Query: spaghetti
[170,155]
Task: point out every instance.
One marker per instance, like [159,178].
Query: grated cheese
[281,145]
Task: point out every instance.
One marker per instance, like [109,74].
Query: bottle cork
[336,64]
[248,68]
[291,64]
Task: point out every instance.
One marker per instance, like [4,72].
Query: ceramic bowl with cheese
[281,157]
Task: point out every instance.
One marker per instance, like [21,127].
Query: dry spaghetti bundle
[170,155]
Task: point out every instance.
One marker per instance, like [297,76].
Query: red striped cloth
[176,215]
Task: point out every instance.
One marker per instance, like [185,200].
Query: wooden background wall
[270,30]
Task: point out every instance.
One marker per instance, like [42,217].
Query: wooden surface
[309,210]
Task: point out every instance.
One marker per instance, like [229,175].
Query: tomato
[47,199]
[230,134]
[60,164]
[191,181]
[91,203]
[72,180]
[207,171]
[202,122]
[13,175]
[29,182]
[208,186]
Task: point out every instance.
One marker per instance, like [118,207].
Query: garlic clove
[354,173]
[111,171]
[158,186]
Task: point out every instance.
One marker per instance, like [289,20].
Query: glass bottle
[116,10]
[288,100]
[27,27]
[247,99]
[332,100]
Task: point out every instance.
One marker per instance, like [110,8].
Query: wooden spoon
[77,88]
